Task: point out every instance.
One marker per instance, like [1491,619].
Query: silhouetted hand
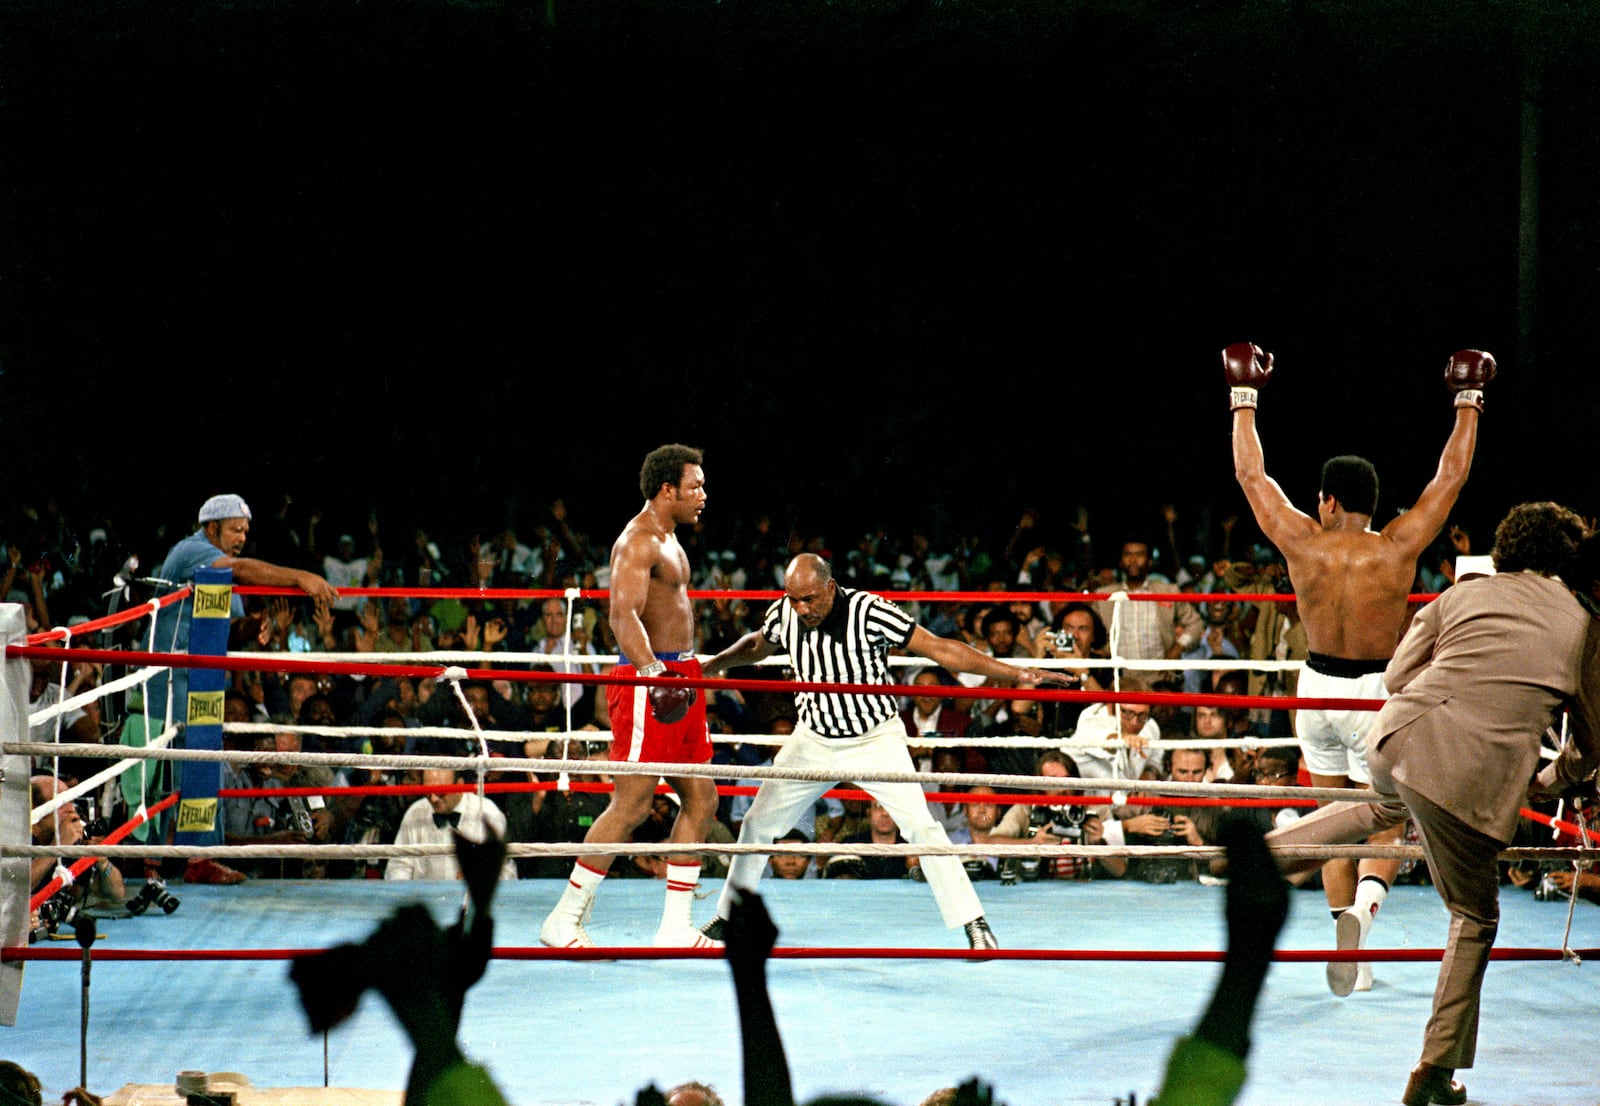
[1258,896]
[480,866]
[750,932]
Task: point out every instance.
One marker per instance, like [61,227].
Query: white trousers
[779,804]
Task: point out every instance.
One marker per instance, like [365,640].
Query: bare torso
[650,590]
[1352,587]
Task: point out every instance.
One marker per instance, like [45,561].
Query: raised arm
[1247,369]
[1465,375]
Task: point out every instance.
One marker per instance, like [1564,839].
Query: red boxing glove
[1246,368]
[670,704]
[1467,371]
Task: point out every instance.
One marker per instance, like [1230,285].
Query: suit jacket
[1480,674]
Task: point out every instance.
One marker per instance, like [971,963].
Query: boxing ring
[1093,982]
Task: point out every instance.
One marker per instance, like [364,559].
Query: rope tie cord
[455,676]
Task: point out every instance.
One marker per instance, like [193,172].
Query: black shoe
[1429,1084]
[979,935]
[713,928]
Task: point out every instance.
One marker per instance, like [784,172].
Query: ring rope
[707,771]
[774,594]
[676,848]
[110,622]
[453,656]
[68,795]
[277,662]
[66,876]
[799,952]
[930,741]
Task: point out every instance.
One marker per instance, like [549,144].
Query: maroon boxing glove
[1466,373]
[670,704]
[1247,369]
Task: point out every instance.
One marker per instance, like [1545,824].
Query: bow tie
[451,819]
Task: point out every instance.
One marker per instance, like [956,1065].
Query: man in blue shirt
[224,526]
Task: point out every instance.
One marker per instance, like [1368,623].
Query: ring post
[198,822]
[15,803]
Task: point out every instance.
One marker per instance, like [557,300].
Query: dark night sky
[886,261]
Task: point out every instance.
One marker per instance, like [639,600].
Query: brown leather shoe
[206,870]
[1429,1084]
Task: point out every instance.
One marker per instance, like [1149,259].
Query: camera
[300,817]
[1547,891]
[1065,822]
[58,910]
[93,824]
[153,893]
[1164,869]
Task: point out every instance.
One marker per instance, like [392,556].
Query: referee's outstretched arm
[958,656]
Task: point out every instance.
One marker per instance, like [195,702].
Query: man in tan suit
[1478,678]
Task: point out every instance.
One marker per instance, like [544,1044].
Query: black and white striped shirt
[850,646]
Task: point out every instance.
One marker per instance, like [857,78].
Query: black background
[890,263]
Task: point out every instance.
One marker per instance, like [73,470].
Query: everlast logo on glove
[1247,369]
[1466,373]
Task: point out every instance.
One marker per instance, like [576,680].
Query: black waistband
[1342,667]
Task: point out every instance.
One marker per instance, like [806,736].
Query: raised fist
[1246,369]
[670,704]
[1466,373]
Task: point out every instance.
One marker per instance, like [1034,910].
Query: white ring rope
[545,660]
[68,795]
[996,741]
[713,771]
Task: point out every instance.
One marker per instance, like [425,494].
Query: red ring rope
[631,952]
[275,662]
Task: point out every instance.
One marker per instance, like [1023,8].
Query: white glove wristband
[654,668]
[1470,397]
[1241,397]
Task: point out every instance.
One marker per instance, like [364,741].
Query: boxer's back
[1351,588]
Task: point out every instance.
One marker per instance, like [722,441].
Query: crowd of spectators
[53,572]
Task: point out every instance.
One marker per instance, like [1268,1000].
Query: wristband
[654,668]
[1241,397]
[1470,397]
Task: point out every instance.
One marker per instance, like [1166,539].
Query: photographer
[1079,634]
[1048,824]
[102,883]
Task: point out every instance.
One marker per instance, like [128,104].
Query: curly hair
[1353,482]
[665,465]
[1537,537]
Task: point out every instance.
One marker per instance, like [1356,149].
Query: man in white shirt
[430,820]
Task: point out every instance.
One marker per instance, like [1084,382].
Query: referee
[838,635]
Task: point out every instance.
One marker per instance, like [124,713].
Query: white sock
[1370,893]
[682,880]
[580,888]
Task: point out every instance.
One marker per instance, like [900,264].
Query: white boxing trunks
[1334,742]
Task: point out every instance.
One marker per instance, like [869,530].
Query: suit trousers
[1462,861]
[779,804]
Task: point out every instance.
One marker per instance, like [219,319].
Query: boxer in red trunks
[654,625]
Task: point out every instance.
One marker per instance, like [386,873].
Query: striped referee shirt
[850,646]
